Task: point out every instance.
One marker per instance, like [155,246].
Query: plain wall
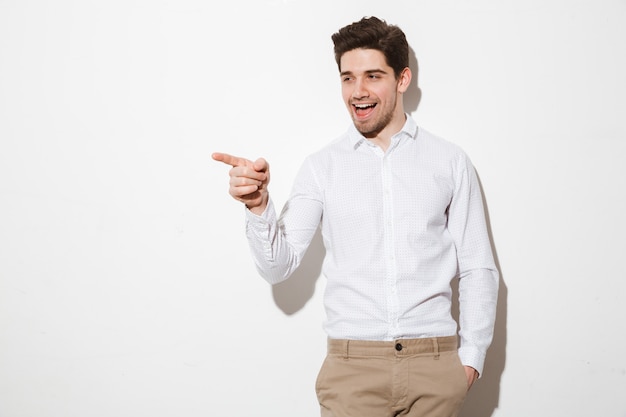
[126,284]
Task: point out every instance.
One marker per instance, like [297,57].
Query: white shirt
[397,227]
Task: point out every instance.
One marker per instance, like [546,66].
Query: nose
[360,90]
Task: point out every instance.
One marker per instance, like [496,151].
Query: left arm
[478,275]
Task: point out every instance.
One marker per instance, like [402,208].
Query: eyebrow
[367,72]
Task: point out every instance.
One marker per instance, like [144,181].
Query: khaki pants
[409,377]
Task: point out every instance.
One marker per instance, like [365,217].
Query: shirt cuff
[473,357]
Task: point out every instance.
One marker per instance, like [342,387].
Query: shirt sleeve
[279,243]
[478,275]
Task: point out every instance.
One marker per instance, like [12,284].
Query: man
[401,216]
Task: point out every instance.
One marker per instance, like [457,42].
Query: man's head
[373,33]
[373,64]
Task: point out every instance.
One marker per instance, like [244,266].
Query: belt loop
[436,347]
[346,351]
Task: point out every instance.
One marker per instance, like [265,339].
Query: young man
[401,216]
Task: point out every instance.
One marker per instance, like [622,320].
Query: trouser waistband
[400,347]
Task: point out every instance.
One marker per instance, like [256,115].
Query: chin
[367,127]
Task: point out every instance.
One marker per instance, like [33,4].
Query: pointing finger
[231,160]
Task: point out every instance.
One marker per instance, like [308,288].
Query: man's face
[370,91]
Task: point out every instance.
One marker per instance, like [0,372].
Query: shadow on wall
[293,294]
[413,95]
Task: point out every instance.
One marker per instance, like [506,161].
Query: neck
[382,138]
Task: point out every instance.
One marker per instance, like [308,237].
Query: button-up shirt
[398,226]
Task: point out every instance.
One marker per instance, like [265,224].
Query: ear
[404,80]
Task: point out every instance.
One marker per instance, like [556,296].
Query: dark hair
[373,33]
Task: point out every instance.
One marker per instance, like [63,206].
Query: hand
[472,376]
[248,180]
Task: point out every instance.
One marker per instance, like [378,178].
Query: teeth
[363,106]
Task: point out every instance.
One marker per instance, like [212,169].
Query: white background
[126,285]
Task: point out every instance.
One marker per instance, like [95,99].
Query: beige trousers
[406,377]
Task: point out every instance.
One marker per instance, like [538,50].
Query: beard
[371,128]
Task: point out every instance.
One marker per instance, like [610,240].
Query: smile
[363,110]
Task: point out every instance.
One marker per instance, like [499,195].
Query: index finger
[231,160]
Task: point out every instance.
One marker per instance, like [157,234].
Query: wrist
[258,209]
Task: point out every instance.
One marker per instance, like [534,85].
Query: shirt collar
[408,131]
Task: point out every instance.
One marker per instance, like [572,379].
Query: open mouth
[363,110]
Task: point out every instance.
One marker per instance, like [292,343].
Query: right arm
[277,244]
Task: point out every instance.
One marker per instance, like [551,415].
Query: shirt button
[398,347]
